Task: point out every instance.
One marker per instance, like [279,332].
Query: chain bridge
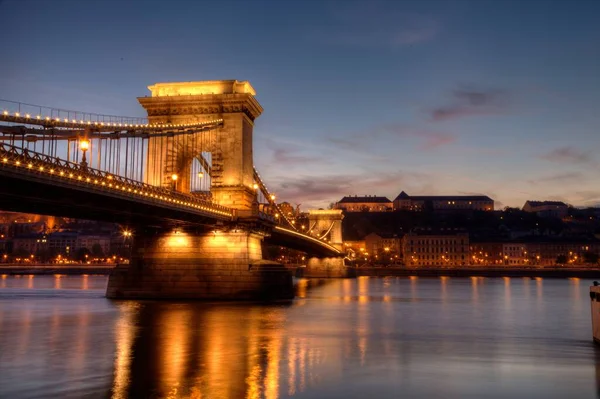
[183,180]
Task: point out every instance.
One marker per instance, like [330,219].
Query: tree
[97,251]
[81,254]
[590,257]
[561,259]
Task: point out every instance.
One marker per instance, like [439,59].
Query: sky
[500,98]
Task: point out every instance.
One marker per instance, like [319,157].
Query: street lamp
[174,177]
[84,145]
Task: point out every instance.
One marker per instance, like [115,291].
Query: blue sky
[430,97]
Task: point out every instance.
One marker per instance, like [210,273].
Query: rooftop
[403,195]
[366,198]
[545,203]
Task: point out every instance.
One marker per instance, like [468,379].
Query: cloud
[376,25]
[430,140]
[437,140]
[290,156]
[318,190]
[568,155]
[587,196]
[562,178]
[467,102]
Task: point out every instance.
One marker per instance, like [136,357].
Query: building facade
[439,203]
[369,203]
[443,247]
[555,209]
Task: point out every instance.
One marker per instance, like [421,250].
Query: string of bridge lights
[38,119]
[116,186]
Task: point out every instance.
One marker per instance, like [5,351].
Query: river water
[369,337]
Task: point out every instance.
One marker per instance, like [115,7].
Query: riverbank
[514,271]
[74,270]
[547,272]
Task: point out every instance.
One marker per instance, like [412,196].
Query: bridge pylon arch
[233,102]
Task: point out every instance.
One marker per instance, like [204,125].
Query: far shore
[50,269]
[587,272]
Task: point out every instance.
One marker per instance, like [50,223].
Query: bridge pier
[326,268]
[215,265]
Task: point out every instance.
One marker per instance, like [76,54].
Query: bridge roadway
[37,183]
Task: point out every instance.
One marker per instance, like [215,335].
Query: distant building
[439,247]
[443,202]
[381,243]
[557,209]
[534,250]
[369,203]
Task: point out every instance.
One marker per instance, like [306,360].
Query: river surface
[363,338]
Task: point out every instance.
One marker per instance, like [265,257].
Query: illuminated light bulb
[30,166]
[4,159]
[66,120]
[255,186]
[70,174]
[87,179]
[17,114]
[200,174]
[272,197]
[73,121]
[47,118]
[38,117]
[27,116]
[174,176]
[51,170]
[5,112]
[62,173]
[41,168]
[78,177]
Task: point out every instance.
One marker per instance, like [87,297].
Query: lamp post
[84,145]
[174,177]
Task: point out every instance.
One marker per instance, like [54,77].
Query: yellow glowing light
[200,174]
[174,176]
[255,186]
[272,197]
[84,145]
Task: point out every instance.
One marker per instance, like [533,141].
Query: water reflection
[354,338]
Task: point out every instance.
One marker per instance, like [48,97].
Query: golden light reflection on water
[58,281]
[539,288]
[30,281]
[506,292]
[301,288]
[84,282]
[475,290]
[125,331]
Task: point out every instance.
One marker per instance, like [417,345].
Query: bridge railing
[42,164]
[44,112]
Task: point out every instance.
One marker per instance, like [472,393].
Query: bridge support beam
[326,268]
[208,265]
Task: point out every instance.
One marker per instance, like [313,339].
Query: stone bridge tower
[230,145]
[327,224]
[223,261]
